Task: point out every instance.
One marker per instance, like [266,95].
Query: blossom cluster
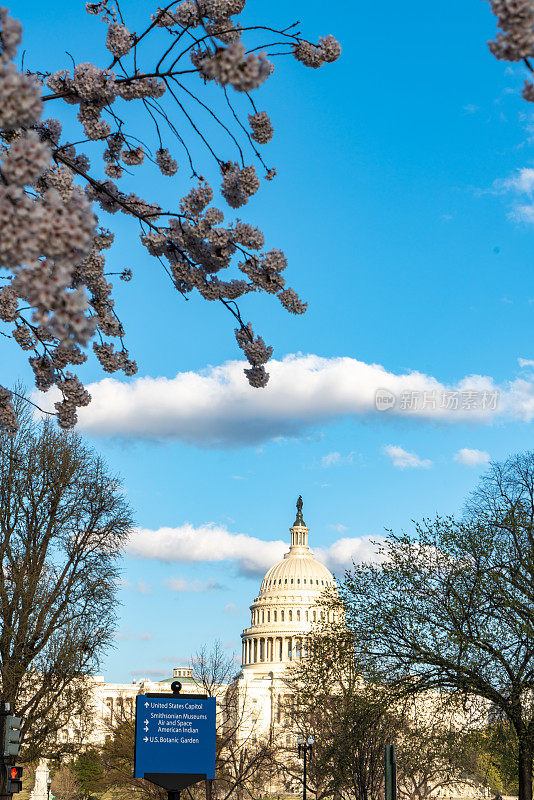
[232,66]
[516,21]
[311,55]
[262,127]
[57,299]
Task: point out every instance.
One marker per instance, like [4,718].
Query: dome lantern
[299,533]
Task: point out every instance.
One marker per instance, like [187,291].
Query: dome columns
[272,649]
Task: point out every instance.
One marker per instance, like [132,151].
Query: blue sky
[398,204]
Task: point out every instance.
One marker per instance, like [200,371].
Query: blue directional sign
[174,735]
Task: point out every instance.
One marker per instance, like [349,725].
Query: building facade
[281,616]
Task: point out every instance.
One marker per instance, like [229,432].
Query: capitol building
[285,609]
[281,616]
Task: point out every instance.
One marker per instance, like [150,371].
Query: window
[263,616]
[298,616]
[268,616]
[282,616]
[291,616]
[314,617]
[274,615]
[285,582]
[291,581]
[306,616]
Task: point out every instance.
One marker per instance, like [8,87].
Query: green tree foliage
[89,772]
[494,751]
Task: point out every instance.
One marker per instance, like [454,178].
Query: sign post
[174,739]
[390,773]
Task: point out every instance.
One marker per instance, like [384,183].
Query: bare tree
[244,758]
[436,747]
[350,720]
[65,785]
[117,762]
[63,522]
[451,607]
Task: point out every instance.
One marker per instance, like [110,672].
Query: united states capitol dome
[299,569]
[286,607]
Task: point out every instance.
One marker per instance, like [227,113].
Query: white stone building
[281,615]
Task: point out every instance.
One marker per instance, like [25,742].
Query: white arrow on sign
[145,739]
[146,722]
[146,705]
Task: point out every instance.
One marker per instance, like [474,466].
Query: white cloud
[403,459]
[140,586]
[185,585]
[343,552]
[231,608]
[525,362]
[471,458]
[338,527]
[213,543]
[217,408]
[523,213]
[207,543]
[127,634]
[520,183]
[335,459]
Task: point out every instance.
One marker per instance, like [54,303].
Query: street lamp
[48,785]
[305,748]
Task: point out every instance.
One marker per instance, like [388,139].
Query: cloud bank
[207,543]
[250,555]
[217,408]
